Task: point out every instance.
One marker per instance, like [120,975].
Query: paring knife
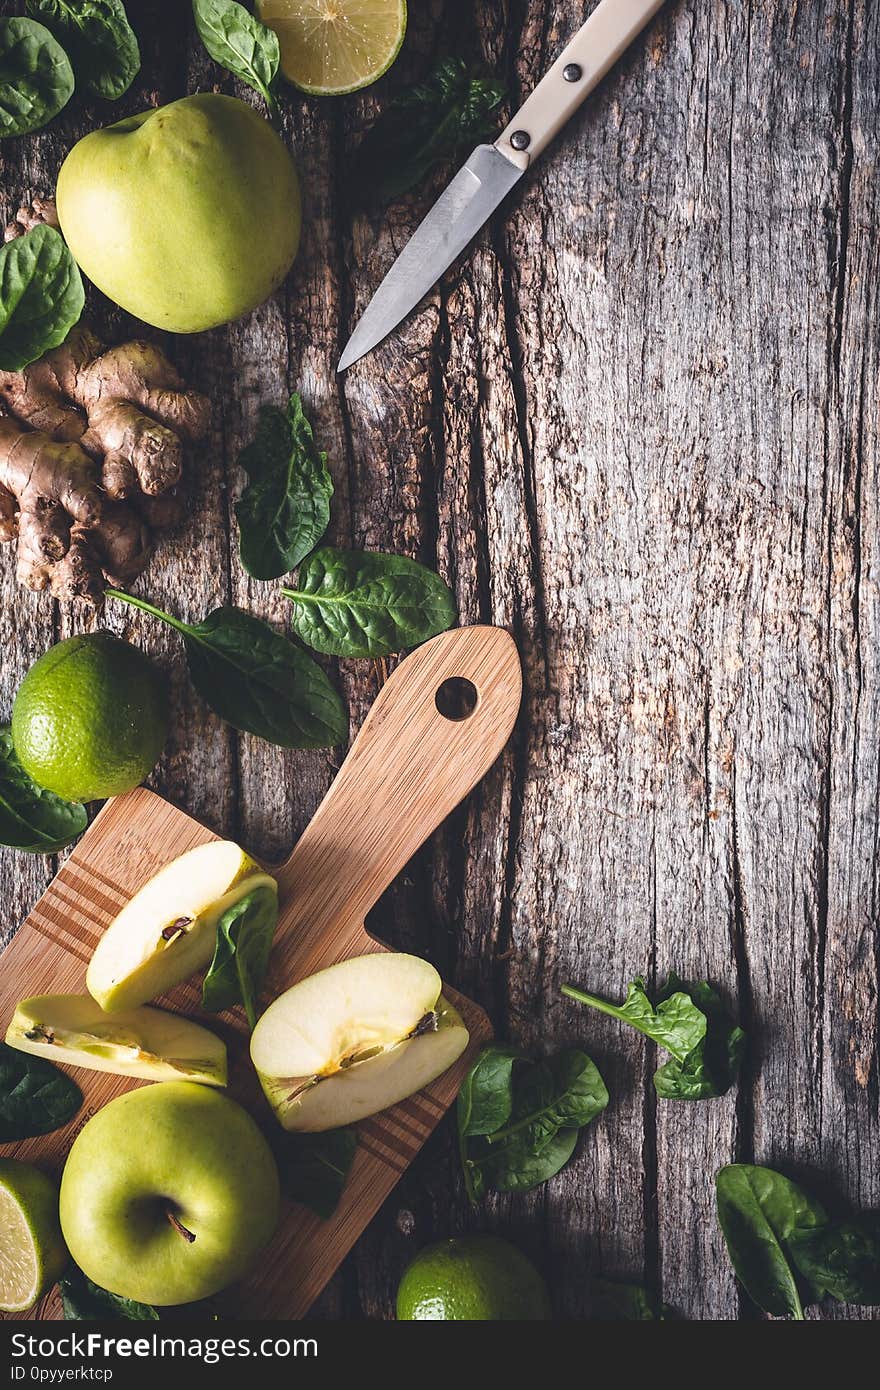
[493,170]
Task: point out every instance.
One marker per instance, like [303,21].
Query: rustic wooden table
[638,427]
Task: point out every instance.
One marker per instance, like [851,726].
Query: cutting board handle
[409,766]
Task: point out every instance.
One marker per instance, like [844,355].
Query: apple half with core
[147,1043]
[169,1194]
[187,215]
[354,1039]
[167,931]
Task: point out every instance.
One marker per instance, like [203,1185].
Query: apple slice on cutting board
[355,1039]
[416,756]
[167,931]
[146,1043]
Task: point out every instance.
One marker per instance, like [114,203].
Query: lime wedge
[329,47]
[32,1250]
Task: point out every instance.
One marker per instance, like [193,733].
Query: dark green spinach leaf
[314,1168]
[84,1301]
[366,603]
[527,1159]
[238,41]
[841,1257]
[97,35]
[35,1097]
[435,120]
[285,510]
[241,954]
[564,1092]
[485,1100]
[41,296]
[32,818]
[676,1023]
[518,1120]
[713,1066]
[485,1103]
[259,681]
[689,1021]
[614,1302]
[36,79]
[256,679]
[761,1213]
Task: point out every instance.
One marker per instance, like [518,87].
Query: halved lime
[32,1250]
[329,47]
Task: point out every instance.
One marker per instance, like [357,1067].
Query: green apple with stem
[187,215]
[150,1044]
[167,931]
[169,1194]
[353,1039]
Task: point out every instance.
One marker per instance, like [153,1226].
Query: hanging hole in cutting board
[456,698]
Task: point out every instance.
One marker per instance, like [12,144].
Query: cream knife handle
[580,67]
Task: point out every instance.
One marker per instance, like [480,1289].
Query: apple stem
[180,1228]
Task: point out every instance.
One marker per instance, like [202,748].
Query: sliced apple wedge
[147,1043]
[167,931]
[354,1039]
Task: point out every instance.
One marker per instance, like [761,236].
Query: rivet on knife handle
[580,67]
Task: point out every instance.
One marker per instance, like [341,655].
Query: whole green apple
[168,1194]
[187,215]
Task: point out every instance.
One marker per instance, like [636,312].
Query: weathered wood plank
[850,1133]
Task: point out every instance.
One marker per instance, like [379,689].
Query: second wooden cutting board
[408,768]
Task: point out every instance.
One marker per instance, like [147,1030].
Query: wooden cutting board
[408,768]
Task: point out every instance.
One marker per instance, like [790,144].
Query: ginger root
[30,216]
[91,455]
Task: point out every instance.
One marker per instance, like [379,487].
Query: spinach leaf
[520,1164]
[238,41]
[485,1100]
[614,1302]
[241,954]
[760,1213]
[564,1091]
[314,1168]
[32,818]
[36,79]
[256,679]
[84,1301]
[842,1257]
[518,1120]
[691,1022]
[712,1067]
[436,120]
[97,35]
[35,1097]
[676,1023]
[41,296]
[366,603]
[285,510]
[262,683]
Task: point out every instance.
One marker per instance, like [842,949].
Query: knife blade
[458,214]
[493,170]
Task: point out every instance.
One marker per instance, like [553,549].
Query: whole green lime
[90,718]
[472,1279]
